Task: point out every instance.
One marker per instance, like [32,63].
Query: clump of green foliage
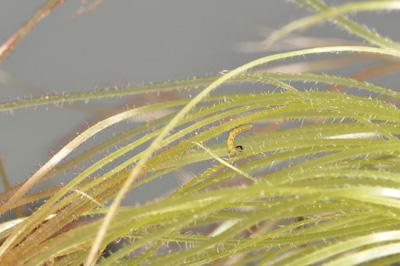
[317,182]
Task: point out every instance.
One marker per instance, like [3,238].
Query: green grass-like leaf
[317,183]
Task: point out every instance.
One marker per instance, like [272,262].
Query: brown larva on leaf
[231,138]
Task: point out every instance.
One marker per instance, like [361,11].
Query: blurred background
[123,43]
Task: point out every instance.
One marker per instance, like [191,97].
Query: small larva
[231,138]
